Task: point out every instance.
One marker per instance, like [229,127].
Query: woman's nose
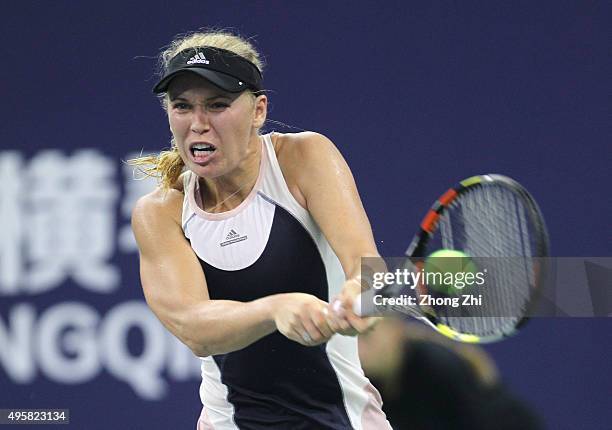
[200,123]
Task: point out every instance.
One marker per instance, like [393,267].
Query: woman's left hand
[342,319]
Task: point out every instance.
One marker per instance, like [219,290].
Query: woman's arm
[330,194]
[175,288]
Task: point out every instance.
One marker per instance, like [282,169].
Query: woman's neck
[228,191]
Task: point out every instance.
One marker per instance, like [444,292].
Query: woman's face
[213,129]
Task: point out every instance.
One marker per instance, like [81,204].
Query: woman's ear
[261,111]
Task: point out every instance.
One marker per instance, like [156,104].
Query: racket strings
[490,221]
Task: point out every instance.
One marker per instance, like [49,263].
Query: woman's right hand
[302,318]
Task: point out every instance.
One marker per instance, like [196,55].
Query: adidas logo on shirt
[233,237]
[198,58]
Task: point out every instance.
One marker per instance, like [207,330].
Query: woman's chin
[208,170]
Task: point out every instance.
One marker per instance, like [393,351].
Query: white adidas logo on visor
[198,58]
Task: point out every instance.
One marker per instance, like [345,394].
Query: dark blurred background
[416,95]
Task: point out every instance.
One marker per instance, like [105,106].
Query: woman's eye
[216,106]
[180,106]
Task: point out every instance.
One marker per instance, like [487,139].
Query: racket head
[498,224]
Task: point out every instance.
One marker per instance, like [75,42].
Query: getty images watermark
[437,287]
[489,286]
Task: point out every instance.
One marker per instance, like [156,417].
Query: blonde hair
[168,165]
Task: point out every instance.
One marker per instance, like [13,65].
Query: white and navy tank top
[270,244]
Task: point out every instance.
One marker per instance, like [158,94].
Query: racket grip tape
[357,305]
[339,309]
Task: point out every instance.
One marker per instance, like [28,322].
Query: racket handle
[358,310]
[357,305]
[339,309]
[363,306]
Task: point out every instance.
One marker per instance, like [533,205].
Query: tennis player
[244,244]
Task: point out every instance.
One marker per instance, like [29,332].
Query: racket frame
[417,250]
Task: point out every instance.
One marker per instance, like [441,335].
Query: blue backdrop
[416,95]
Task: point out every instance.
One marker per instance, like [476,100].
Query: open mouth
[200,150]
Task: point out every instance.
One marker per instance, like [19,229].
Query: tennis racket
[497,223]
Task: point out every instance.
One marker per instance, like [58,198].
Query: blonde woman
[244,244]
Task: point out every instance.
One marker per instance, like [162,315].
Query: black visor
[225,69]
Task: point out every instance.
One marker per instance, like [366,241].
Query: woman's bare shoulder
[164,201]
[179,185]
[294,151]
[290,143]
[159,206]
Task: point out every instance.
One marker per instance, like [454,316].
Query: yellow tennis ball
[450,271]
